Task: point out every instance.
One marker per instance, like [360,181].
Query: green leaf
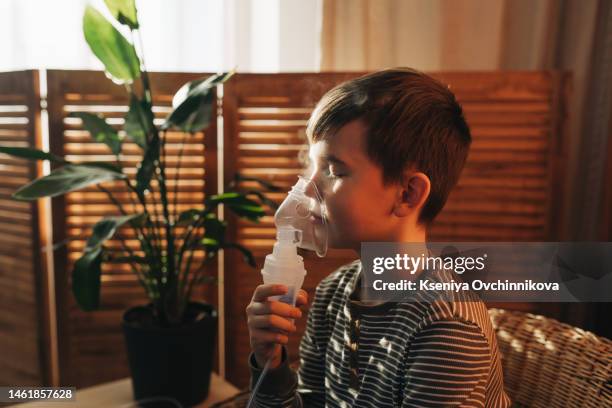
[139,121]
[99,130]
[223,198]
[188,217]
[194,104]
[114,167]
[210,244]
[87,269]
[147,166]
[86,279]
[112,49]
[250,212]
[248,256]
[64,180]
[105,229]
[214,228]
[240,205]
[32,154]
[263,198]
[124,11]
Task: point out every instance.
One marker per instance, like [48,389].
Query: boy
[386,149]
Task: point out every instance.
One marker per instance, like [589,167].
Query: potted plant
[170,341]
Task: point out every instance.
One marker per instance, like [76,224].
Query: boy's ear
[412,194]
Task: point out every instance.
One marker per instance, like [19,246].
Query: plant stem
[171,261]
[113,199]
[151,223]
[142,278]
[141,198]
[148,96]
[194,279]
[176,178]
[121,239]
[142,238]
[187,245]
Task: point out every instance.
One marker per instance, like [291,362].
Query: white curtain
[178,35]
[443,35]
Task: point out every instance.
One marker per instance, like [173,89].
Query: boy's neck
[417,234]
[408,235]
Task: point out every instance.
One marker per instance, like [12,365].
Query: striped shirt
[434,351]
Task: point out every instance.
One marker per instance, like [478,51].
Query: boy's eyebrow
[334,159]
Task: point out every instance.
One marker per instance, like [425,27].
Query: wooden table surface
[118,394]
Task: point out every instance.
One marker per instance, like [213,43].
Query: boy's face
[359,206]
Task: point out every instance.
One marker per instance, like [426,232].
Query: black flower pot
[173,362]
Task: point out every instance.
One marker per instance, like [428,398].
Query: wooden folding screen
[510,189]
[23,319]
[92,349]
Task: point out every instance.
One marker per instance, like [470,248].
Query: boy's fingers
[263,291]
[302,298]
[271,321]
[268,336]
[275,307]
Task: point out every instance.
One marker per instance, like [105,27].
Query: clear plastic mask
[304,211]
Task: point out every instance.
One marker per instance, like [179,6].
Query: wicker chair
[546,363]
[551,364]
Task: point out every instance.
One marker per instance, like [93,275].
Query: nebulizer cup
[301,222]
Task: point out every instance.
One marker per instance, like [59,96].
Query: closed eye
[333,173]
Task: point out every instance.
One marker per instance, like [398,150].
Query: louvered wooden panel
[23,322]
[91,343]
[510,188]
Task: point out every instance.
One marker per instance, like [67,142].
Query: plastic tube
[259,381]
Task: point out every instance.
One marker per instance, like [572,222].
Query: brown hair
[411,120]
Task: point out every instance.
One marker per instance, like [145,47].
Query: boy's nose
[313,189]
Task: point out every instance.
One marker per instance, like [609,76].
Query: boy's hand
[271,321]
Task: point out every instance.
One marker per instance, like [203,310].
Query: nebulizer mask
[301,222]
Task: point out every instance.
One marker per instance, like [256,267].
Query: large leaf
[65,179]
[215,228]
[124,11]
[194,103]
[32,154]
[112,49]
[147,166]
[139,121]
[114,167]
[263,198]
[99,130]
[240,205]
[87,269]
[86,279]
[105,229]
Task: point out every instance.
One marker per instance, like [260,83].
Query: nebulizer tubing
[301,222]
